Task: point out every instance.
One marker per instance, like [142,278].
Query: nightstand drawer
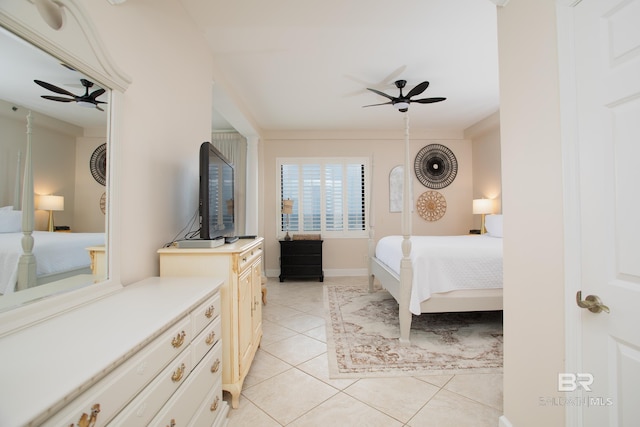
[301,247]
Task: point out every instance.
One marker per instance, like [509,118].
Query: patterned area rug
[363,331]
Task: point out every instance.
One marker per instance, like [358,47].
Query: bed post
[372,245]
[27,263]
[16,190]
[406,270]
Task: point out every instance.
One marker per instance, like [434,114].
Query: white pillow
[493,224]
[6,208]
[10,221]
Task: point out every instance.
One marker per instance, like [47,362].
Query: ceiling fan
[87,100]
[402,102]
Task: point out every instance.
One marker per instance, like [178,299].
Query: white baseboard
[504,422]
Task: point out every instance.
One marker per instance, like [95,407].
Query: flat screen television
[216,194]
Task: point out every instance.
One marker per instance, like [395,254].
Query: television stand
[231,239]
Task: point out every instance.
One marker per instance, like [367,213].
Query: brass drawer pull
[89,420]
[179,339]
[177,374]
[172,423]
[214,405]
[215,366]
[211,338]
[209,312]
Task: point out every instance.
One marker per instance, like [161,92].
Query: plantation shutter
[329,196]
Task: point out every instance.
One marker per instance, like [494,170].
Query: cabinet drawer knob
[209,312]
[172,423]
[89,420]
[178,340]
[211,338]
[214,405]
[215,366]
[177,374]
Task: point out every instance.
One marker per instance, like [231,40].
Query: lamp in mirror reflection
[482,207]
[51,203]
[287,209]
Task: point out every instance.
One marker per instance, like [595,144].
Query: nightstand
[301,259]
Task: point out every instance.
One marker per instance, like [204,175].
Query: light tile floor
[289,385]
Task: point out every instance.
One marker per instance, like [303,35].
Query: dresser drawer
[204,314]
[185,402]
[147,404]
[211,408]
[114,391]
[206,340]
[246,258]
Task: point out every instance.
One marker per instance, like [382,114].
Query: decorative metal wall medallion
[436,166]
[98,164]
[431,205]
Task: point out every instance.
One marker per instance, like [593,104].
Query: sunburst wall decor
[431,205]
[435,166]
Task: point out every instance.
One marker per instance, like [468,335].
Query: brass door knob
[593,303]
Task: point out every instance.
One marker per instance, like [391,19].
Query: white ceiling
[304,65]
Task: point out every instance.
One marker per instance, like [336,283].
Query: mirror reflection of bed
[63,137]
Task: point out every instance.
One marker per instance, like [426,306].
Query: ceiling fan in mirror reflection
[88,100]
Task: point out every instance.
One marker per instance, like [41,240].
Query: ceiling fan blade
[381,93]
[97,93]
[418,89]
[53,88]
[427,100]
[57,98]
[373,105]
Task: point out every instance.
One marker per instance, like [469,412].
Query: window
[330,196]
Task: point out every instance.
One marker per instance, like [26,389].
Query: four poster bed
[436,274]
[31,258]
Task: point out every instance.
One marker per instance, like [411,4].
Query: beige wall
[532,200]
[349,256]
[88,216]
[165,117]
[487,167]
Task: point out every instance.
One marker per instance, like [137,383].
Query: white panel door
[607,68]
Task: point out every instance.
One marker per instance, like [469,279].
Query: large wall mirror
[60,103]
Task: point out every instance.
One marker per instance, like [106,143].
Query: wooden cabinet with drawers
[147,354]
[301,259]
[239,264]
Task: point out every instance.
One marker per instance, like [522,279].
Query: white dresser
[239,264]
[147,354]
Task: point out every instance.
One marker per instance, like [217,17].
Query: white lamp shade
[287,207]
[51,203]
[482,206]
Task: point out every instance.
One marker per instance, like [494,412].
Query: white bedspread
[445,263]
[54,252]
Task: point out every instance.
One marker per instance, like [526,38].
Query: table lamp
[287,209]
[482,207]
[51,203]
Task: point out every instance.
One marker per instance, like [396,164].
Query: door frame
[571,187]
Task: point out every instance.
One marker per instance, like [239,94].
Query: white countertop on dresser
[62,357]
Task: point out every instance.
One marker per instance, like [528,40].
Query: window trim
[343,234]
